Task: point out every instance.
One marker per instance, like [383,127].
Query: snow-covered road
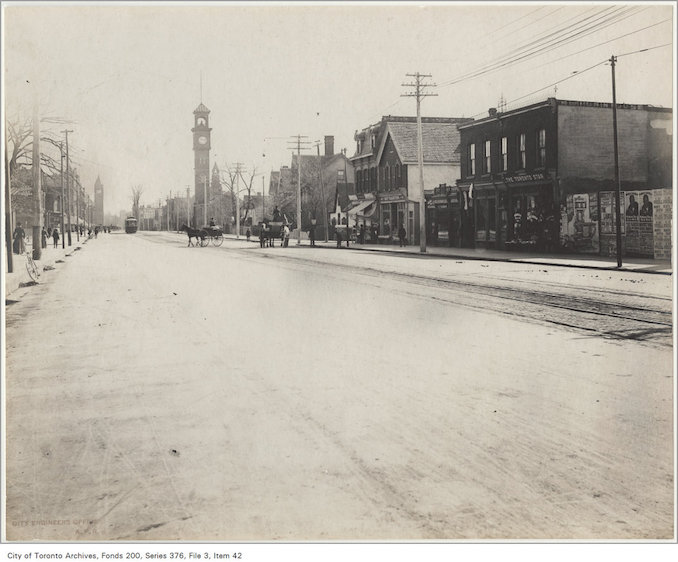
[236,393]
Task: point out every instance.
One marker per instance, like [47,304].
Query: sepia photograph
[337,273]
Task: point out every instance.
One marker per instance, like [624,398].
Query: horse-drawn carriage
[204,235]
[271,231]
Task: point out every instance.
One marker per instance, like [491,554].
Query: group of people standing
[19,236]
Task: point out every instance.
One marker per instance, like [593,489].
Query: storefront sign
[536,176]
[392,196]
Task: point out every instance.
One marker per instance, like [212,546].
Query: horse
[197,233]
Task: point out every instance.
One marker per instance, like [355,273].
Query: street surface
[159,392]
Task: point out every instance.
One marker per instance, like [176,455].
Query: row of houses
[540,177]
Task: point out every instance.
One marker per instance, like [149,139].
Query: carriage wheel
[218,240]
[204,241]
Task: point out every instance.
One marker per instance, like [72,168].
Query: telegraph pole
[77,210]
[63,198]
[37,195]
[8,217]
[419,93]
[236,189]
[68,187]
[299,142]
[188,205]
[204,207]
[617,181]
[322,191]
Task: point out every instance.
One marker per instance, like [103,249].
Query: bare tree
[137,190]
[248,180]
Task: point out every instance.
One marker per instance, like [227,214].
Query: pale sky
[128,76]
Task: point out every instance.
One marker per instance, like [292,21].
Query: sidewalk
[48,261]
[638,265]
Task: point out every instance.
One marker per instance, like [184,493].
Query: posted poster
[608,222]
[638,213]
[579,223]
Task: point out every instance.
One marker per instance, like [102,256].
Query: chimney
[492,111]
[329,145]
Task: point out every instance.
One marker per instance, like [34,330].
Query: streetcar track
[660,320]
[460,288]
[546,299]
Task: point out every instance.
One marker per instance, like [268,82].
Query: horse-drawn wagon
[204,235]
[271,231]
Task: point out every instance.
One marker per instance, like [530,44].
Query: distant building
[320,177]
[98,217]
[542,176]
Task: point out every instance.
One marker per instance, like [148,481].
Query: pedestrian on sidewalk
[286,236]
[311,234]
[19,237]
[338,235]
[55,237]
[43,238]
[248,234]
[402,235]
[361,234]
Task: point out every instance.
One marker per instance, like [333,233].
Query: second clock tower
[201,149]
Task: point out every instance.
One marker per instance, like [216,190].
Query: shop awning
[360,207]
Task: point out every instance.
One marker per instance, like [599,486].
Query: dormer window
[373,141]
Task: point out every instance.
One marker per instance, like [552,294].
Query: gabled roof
[440,140]
[201,109]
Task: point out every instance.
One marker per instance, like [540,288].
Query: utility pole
[68,187]
[263,210]
[348,226]
[37,192]
[63,198]
[419,93]
[617,181]
[204,206]
[77,210]
[8,217]
[299,142]
[322,191]
[168,210]
[188,206]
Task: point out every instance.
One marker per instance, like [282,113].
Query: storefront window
[522,156]
[481,219]
[472,159]
[488,157]
[541,148]
[491,220]
[504,154]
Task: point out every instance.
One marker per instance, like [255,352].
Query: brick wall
[663,203]
[586,143]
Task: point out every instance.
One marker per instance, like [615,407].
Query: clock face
[202,140]
[202,121]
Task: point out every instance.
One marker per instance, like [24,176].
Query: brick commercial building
[542,177]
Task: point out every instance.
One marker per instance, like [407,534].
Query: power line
[604,42]
[644,50]
[534,48]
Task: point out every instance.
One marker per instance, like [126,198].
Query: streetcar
[130,225]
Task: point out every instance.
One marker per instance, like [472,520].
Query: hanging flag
[470,191]
[465,201]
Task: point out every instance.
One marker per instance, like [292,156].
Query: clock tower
[201,149]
